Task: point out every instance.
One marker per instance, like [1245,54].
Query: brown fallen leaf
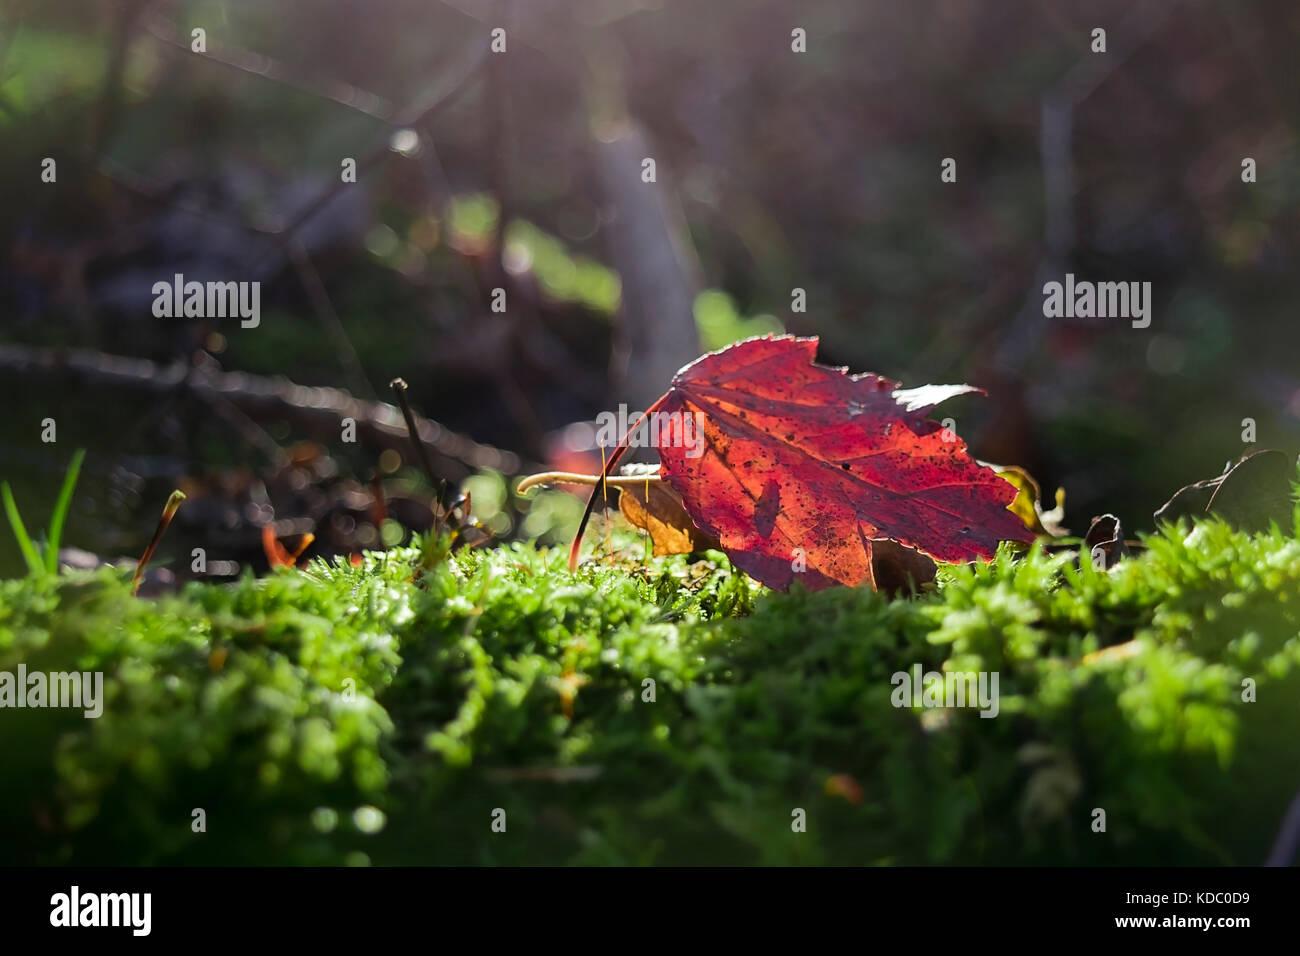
[645,501]
[657,510]
[1028,505]
[277,555]
[1105,539]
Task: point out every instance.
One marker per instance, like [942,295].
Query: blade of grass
[16,522]
[61,512]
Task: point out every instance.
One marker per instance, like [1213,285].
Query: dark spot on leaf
[767,507]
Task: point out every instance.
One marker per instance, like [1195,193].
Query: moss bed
[384,713]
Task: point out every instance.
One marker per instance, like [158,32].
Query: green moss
[382,713]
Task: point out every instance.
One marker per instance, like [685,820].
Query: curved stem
[604,481]
[573,478]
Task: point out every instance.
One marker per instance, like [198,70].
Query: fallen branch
[319,411]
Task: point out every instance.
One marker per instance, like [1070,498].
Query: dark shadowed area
[413,203]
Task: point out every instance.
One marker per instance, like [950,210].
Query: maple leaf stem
[604,494]
[604,481]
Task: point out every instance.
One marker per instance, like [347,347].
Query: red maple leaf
[803,466]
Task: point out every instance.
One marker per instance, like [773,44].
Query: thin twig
[268,68]
[329,318]
[414,118]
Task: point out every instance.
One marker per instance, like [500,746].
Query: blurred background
[775,170]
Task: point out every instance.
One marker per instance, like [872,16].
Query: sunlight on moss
[658,698]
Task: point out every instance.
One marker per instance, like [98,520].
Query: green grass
[381,714]
[48,563]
